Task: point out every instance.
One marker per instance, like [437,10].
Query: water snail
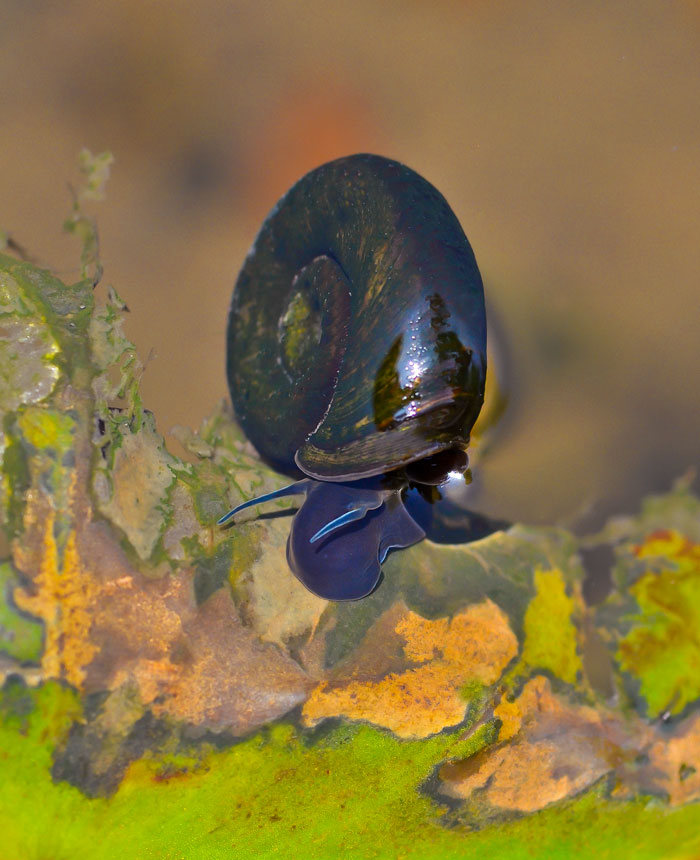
[356,360]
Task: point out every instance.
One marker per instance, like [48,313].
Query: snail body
[356,357]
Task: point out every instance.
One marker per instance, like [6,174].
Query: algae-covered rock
[171,690]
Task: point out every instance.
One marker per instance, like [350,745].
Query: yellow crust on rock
[474,645]
[558,749]
[62,601]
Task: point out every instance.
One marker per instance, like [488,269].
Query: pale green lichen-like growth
[95,170]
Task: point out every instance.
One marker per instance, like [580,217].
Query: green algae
[95,170]
[12,300]
[116,359]
[21,638]
[16,481]
[47,430]
[662,649]
[550,635]
[65,310]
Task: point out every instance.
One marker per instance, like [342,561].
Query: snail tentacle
[294,489]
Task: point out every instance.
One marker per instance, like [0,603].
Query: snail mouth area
[378,453]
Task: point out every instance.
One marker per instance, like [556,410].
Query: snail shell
[357,331]
[357,348]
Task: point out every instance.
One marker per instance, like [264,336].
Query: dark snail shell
[357,345]
[357,331]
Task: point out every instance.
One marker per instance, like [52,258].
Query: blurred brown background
[566,136]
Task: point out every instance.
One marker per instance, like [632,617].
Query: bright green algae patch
[353,792]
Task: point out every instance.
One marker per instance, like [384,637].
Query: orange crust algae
[63,595]
[474,645]
[115,629]
[554,753]
[557,749]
